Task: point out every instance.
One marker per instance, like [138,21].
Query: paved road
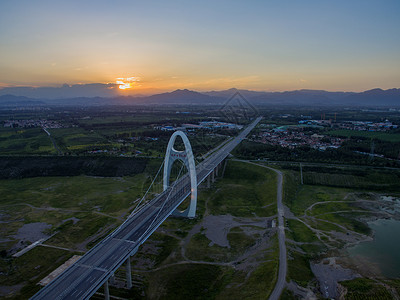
[281,282]
[83,278]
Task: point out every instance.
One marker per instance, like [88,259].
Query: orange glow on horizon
[127,83]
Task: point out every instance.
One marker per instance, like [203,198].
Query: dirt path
[281,281]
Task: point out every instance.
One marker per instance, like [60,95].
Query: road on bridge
[83,279]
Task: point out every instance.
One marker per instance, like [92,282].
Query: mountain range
[374,97]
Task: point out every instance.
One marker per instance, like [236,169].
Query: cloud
[127,83]
[64,91]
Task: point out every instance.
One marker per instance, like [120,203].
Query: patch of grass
[369,180]
[363,288]
[245,191]
[167,245]
[180,233]
[25,140]
[189,281]
[348,220]
[287,295]
[199,249]
[31,268]
[300,232]
[291,185]
[313,250]
[299,269]
[395,283]
[70,234]
[238,240]
[308,195]
[70,138]
[261,281]
[83,193]
[323,208]
[184,224]
[325,226]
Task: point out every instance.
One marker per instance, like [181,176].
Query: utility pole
[371,154]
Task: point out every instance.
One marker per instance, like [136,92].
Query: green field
[246,190]
[384,136]
[22,141]
[385,180]
[83,209]
[363,288]
[104,194]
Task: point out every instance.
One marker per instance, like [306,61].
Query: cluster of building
[353,125]
[32,123]
[368,126]
[139,138]
[294,137]
[208,125]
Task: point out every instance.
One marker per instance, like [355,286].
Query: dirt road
[281,282]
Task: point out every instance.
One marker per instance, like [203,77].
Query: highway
[92,270]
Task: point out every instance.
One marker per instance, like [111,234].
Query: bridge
[93,270]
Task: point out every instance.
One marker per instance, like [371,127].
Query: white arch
[188,159]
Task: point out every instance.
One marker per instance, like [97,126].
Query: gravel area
[32,231]
[328,274]
[217,228]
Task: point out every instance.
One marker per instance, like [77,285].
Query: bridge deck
[83,279]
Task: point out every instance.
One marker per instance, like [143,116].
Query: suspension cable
[162,206]
[141,200]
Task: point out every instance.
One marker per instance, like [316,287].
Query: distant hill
[228,93]
[301,97]
[374,97]
[181,97]
[11,100]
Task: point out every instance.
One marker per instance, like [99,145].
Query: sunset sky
[201,45]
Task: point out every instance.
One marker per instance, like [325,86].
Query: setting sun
[127,83]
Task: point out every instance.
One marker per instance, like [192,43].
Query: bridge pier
[208,182]
[112,279]
[128,273]
[106,291]
[224,162]
[213,176]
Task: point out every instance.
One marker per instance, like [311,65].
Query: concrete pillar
[106,291]
[208,182]
[216,170]
[112,279]
[128,273]
[213,176]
